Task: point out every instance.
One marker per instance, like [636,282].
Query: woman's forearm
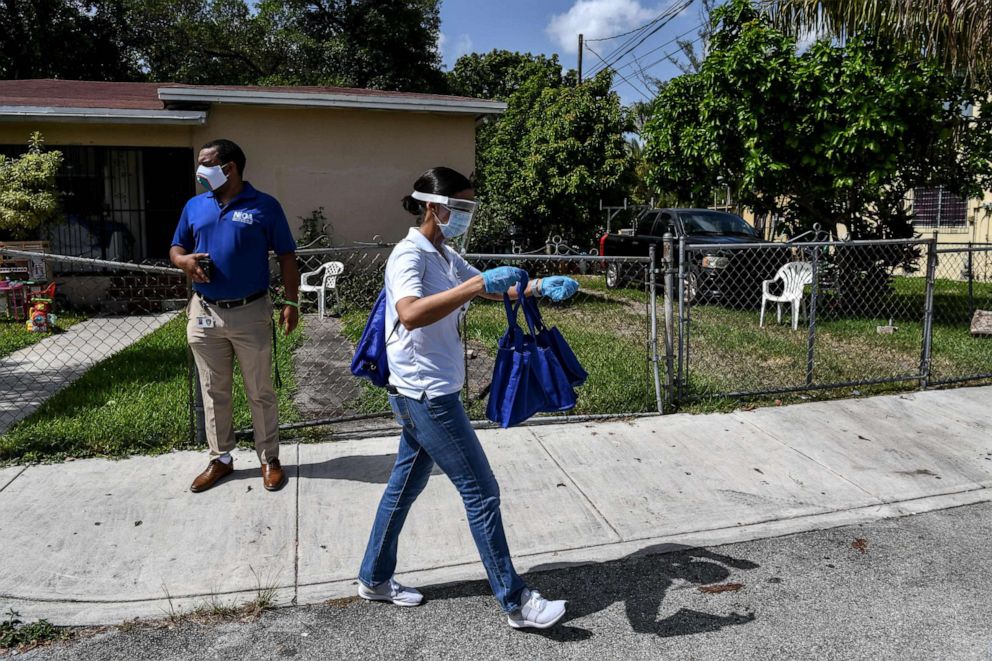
[513,292]
[419,312]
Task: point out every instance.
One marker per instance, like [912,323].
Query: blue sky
[552,26]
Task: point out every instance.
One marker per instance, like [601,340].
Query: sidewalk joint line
[575,484]
[778,440]
[11,481]
[296,531]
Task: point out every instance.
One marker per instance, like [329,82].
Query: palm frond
[957,33]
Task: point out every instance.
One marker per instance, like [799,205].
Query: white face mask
[211,176]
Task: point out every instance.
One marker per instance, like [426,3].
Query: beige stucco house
[130,153]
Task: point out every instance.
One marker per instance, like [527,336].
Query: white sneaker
[536,612]
[392,592]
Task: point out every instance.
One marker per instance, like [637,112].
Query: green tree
[382,44]
[28,194]
[557,152]
[75,39]
[500,73]
[957,33]
[839,133]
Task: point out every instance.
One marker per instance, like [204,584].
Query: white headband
[427,197]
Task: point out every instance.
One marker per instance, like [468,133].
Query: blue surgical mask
[458,223]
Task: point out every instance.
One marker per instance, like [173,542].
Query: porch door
[168,184]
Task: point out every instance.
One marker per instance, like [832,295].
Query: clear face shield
[460,215]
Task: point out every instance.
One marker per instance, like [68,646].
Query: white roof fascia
[331,100]
[102,115]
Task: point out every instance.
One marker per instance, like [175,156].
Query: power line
[637,29]
[671,14]
[665,55]
[638,37]
[646,95]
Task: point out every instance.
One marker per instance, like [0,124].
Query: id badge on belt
[205,320]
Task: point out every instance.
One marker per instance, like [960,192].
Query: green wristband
[293,303]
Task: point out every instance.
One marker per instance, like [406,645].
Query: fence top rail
[89,261]
[806,244]
[556,258]
[962,248]
[340,249]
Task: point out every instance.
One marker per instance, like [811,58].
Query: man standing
[222,243]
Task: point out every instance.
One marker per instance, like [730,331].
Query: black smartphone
[206,265]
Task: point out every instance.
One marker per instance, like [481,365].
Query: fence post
[811,338]
[971,280]
[653,284]
[683,374]
[928,315]
[668,255]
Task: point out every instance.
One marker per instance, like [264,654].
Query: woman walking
[428,288]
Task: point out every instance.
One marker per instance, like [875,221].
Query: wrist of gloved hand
[500,279]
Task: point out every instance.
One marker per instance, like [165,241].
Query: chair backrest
[795,276]
[331,272]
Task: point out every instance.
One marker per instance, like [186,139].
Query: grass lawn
[136,401]
[730,353]
[14,335]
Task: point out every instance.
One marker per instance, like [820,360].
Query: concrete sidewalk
[97,541]
[31,375]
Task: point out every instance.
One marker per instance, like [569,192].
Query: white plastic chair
[328,274]
[794,277]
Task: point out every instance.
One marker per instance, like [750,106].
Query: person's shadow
[641,581]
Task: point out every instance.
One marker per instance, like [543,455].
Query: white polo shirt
[431,359]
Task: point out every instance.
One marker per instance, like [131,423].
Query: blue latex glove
[557,287]
[500,279]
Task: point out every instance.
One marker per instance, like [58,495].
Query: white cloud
[452,49]
[597,18]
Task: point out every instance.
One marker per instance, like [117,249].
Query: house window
[118,203]
[937,208]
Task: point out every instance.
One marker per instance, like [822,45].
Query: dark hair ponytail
[436,181]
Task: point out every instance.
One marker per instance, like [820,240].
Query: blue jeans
[438,430]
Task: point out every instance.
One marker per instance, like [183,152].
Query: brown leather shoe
[216,470]
[273,476]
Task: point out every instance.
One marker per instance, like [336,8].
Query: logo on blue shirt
[243,217]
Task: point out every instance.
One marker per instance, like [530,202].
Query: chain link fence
[93,352]
[767,319]
[761,319]
[961,344]
[610,330]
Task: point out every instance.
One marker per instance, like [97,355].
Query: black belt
[391,389]
[227,304]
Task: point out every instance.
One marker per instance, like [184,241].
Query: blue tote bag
[551,338]
[527,378]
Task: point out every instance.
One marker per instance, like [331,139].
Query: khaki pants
[246,332]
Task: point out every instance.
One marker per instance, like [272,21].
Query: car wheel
[613,277]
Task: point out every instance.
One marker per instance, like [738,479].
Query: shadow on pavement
[640,581]
[374,469]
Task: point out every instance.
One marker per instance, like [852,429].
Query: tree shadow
[640,581]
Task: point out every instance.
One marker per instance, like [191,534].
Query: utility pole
[580,58]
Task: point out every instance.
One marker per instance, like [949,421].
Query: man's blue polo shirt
[237,237]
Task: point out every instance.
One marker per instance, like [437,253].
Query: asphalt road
[910,588]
